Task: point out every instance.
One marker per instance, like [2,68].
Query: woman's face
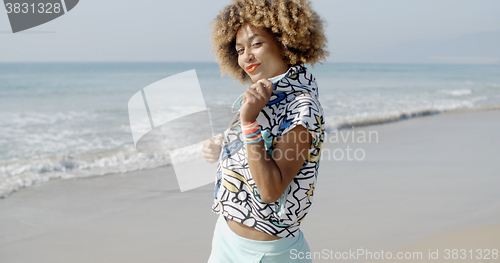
[258,53]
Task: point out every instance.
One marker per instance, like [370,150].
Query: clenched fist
[211,149]
[254,100]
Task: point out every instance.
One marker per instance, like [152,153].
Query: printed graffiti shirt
[294,102]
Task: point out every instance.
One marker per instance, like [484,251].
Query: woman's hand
[211,149]
[254,100]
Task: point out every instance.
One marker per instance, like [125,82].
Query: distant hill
[475,48]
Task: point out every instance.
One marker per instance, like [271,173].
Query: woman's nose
[248,56]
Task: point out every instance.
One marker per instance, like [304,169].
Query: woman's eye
[257,44]
[239,51]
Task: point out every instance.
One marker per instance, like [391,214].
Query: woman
[269,157]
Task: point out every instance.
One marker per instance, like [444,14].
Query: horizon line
[214,62]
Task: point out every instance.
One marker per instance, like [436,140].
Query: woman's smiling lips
[252,67]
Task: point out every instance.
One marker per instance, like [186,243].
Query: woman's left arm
[272,175]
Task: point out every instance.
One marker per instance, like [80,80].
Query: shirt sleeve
[306,111]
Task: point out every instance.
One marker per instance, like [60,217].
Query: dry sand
[426,183]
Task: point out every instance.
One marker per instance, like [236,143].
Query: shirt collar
[296,79]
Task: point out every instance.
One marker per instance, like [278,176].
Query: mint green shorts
[228,247]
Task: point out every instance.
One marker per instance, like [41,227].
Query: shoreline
[419,179]
[37,180]
[411,115]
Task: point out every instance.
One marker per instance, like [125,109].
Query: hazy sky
[149,30]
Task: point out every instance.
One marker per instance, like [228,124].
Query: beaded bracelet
[249,126]
[251,132]
[254,141]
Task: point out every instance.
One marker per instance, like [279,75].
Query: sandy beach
[425,183]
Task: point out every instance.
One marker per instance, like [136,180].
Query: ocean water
[66,120]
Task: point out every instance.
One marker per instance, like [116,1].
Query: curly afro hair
[295,27]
